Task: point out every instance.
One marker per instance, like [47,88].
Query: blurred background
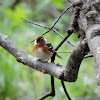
[19,82]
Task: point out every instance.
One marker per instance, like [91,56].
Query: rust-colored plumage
[40,49]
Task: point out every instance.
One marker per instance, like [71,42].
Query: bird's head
[39,39]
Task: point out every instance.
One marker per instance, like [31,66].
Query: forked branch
[45,67]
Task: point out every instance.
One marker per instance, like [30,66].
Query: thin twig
[89,55]
[63,51]
[35,23]
[58,19]
[64,39]
[69,98]
[47,28]
[52,92]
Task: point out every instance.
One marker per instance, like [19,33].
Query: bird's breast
[41,54]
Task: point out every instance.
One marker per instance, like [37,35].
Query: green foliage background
[19,82]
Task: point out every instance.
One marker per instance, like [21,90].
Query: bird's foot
[37,59]
[57,64]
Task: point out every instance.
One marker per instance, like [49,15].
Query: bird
[43,49]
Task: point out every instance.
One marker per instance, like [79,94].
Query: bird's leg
[37,59]
[52,92]
[57,64]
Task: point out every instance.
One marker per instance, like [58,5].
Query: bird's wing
[49,46]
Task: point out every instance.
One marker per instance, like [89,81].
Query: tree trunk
[86,22]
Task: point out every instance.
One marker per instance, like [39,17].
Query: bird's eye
[40,40]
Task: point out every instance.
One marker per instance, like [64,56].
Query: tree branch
[26,59]
[45,67]
[74,61]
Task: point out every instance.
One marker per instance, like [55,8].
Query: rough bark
[26,59]
[86,23]
[48,68]
[75,59]
[88,26]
